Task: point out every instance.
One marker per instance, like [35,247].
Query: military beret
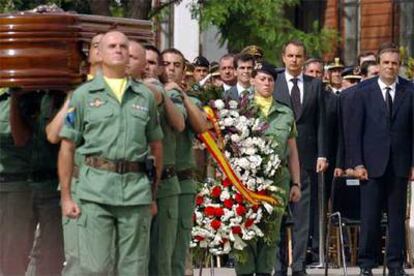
[253,50]
[266,68]
[201,61]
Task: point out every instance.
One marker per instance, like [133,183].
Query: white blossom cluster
[253,158]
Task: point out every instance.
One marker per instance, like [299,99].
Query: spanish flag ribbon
[214,149]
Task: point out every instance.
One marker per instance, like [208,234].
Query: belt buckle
[120,167]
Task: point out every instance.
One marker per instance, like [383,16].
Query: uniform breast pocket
[96,114]
[139,116]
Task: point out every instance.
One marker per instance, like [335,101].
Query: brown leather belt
[168,172]
[118,166]
[185,174]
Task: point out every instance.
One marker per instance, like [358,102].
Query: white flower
[219,104]
[233,104]
[227,122]
[235,138]
[250,151]
[224,195]
[243,163]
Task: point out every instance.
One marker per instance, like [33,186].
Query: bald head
[113,51]
[137,61]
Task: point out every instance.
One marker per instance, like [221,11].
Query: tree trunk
[100,7]
[138,9]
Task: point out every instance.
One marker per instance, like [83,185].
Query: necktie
[388,101]
[295,97]
[244,93]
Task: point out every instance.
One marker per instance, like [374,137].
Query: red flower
[248,223]
[216,192]
[199,200]
[226,182]
[215,224]
[228,203]
[199,238]
[236,229]
[240,210]
[238,198]
[209,211]
[255,207]
[218,212]
[262,192]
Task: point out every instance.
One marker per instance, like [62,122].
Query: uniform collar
[98,84]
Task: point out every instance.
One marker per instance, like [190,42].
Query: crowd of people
[102,181]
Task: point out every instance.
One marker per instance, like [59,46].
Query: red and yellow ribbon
[216,152]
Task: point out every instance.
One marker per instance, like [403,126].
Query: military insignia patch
[139,107]
[70,116]
[97,102]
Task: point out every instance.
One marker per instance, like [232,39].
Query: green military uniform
[164,224]
[113,202]
[185,165]
[47,255]
[261,257]
[16,213]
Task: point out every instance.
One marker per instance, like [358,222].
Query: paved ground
[351,271]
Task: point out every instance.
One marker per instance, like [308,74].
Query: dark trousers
[390,192]
[300,214]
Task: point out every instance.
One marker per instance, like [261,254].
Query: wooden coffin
[48,51]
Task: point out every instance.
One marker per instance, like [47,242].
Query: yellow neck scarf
[117,86]
[263,103]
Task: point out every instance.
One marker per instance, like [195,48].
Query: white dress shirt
[383,87]
[226,86]
[289,81]
[240,88]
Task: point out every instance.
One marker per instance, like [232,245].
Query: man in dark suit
[244,64]
[382,154]
[226,70]
[304,95]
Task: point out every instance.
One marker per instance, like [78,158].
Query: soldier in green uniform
[185,164]
[164,225]
[47,255]
[112,121]
[261,257]
[52,130]
[16,213]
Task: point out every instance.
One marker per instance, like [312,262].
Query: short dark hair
[365,65]
[243,58]
[154,49]
[295,42]
[364,54]
[313,60]
[388,47]
[173,51]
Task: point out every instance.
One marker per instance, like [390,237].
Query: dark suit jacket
[375,140]
[310,123]
[232,93]
[331,124]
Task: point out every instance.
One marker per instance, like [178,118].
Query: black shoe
[365,272]
[262,274]
[280,273]
[396,272]
[299,273]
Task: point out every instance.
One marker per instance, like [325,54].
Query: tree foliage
[260,22]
